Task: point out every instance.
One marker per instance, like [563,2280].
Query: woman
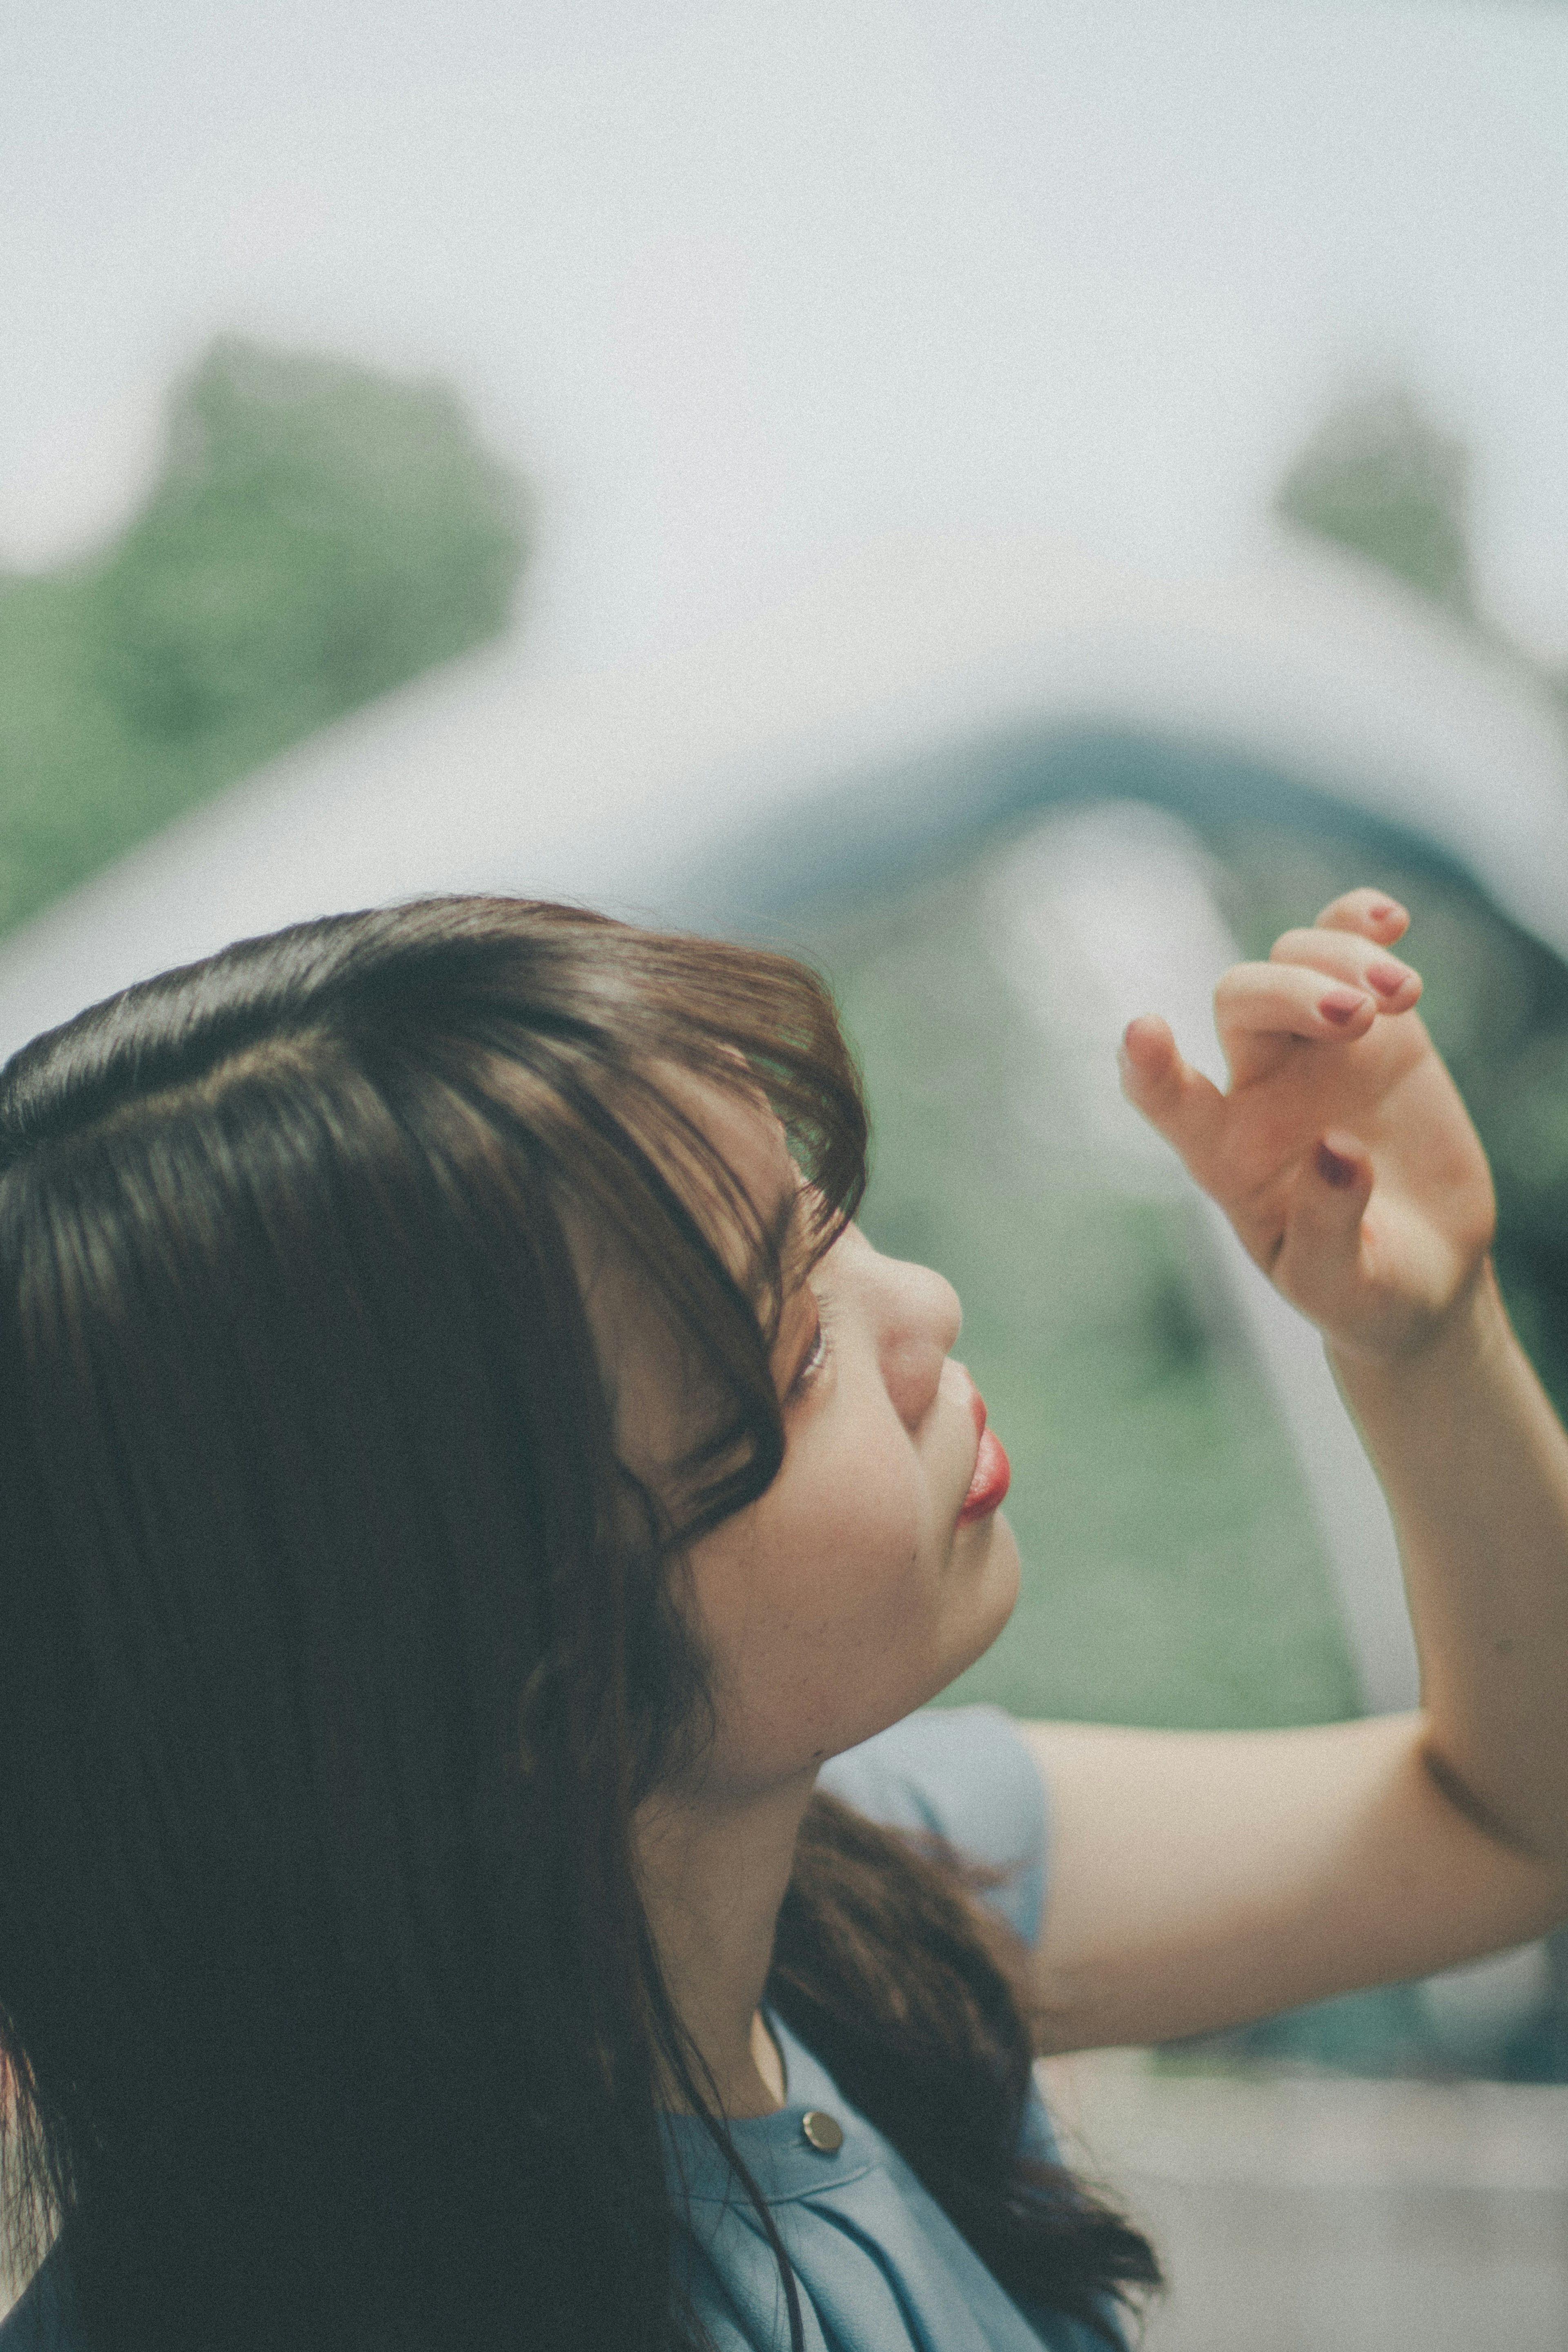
[465,1476]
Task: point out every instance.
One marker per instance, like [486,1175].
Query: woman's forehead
[748,1139]
[743,1125]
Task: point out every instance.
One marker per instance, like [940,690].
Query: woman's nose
[921,1326]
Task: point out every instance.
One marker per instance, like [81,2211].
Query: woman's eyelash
[815,1358]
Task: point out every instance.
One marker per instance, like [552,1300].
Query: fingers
[1348,948]
[1343,956]
[1259,1007]
[1319,1237]
[1185,1106]
[1321,985]
[1371,913]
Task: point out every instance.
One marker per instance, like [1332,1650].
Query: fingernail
[1388,979]
[1343,1006]
[1382,912]
[1340,1173]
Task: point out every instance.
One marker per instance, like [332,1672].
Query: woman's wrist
[1474,1462]
[1471,1331]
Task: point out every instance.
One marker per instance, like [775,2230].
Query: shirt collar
[775,2149]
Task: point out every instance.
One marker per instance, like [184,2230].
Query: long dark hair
[338,1647]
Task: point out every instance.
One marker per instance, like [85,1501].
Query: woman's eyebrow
[784,1221]
[790,1235]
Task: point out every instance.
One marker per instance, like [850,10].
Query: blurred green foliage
[318,534]
[1380,479]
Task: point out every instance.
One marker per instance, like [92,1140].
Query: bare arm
[1203,1879]
[1475,1465]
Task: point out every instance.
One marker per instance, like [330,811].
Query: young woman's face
[853,1590]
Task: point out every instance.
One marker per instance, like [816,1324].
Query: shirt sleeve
[964,1774]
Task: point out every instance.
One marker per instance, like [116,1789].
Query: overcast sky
[746,285]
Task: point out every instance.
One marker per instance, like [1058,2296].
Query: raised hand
[1341,1153]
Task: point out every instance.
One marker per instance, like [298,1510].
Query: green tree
[1379,477]
[318,534]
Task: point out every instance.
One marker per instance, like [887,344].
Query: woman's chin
[991,1587]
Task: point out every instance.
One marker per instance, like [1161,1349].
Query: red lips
[993,1475]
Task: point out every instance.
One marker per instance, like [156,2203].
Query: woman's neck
[714,1874]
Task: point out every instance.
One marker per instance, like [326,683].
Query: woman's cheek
[871,1527]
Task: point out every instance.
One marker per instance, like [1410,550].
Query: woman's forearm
[1475,1464]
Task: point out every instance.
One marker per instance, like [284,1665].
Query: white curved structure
[612,788]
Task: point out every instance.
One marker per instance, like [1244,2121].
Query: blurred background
[1016,502]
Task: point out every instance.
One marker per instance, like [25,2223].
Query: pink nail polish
[1342,1007]
[1388,979]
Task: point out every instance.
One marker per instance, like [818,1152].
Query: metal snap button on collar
[822,2132]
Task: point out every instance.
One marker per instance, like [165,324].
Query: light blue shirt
[879,2267]
[878,2264]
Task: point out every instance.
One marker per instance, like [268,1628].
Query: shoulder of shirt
[42,2318]
[965,1775]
